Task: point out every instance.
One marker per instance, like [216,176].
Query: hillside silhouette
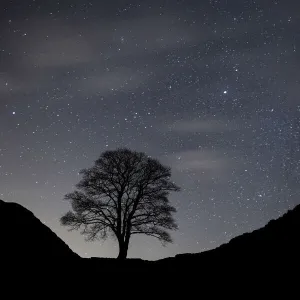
[276,244]
[28,239]
[25,237]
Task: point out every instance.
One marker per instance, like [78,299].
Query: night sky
[210,88]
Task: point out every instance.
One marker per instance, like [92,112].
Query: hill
[276,244]
[25,238]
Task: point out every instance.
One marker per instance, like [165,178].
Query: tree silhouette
[124,193]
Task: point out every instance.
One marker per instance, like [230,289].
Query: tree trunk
[123,249]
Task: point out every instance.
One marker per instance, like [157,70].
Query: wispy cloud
[122,78]
[199,125]
[14,84]
[62,52]
[198,160]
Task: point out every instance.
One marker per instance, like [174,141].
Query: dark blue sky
[210,88]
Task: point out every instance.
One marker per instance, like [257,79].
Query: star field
[210,88]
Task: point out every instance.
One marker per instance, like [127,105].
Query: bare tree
[124,193]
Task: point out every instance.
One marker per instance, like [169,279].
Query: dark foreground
[31,251]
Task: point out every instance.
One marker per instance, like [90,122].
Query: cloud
[121,79]
[55,45]
[197,125]
[13,85]
[40,43]
[198,160]
[62,52]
